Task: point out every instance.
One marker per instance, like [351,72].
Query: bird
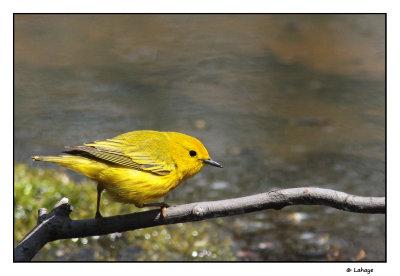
[136,167]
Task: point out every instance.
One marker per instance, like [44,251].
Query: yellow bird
[137,167]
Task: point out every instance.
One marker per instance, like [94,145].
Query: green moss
[35,188]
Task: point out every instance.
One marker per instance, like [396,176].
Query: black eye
[192,153]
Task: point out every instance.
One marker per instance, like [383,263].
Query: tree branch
[58,225]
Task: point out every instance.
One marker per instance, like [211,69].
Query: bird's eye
[192,153]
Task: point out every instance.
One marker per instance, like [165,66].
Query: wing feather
[127,154]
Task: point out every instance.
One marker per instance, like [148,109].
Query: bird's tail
[86,166]
[54,159]
[69,161]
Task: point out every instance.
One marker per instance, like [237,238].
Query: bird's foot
[98,215]
[163,206]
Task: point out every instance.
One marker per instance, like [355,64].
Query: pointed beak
[212,162]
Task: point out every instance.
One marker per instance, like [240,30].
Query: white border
[393,108]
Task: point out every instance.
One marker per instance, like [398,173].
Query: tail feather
[62,160]
[37,158]
[86,166]
[46,158]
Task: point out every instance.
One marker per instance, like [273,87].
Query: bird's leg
[162,205]
[99,190]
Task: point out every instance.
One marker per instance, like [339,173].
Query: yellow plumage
[137,167]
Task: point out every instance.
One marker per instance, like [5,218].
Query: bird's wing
[140,156]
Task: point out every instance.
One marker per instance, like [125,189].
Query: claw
[164,212]
[98,215]
[163,206]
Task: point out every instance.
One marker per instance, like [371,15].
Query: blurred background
[280,100]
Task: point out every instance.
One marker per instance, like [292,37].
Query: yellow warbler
[137,167]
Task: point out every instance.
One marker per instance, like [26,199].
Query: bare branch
[58,225]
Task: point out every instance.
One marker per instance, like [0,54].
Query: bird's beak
[212,162]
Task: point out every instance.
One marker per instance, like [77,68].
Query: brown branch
[58,225]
